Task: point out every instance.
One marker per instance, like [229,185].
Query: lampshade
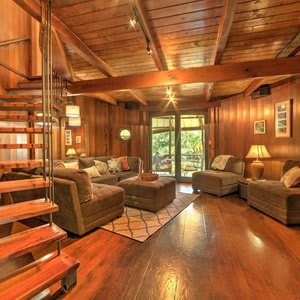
[258,151]
[72,110]
[71,151]
[75,121]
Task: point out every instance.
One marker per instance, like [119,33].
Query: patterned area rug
[140,224]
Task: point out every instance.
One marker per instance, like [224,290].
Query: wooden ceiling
[185,34]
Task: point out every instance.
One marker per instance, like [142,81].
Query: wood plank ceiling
[185,34]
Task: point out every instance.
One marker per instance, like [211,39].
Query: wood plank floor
[217,248]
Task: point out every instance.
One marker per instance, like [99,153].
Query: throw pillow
[114,166]
[85,162]
[60,165]
[291,178]
[92,171]
[72,165]
[220,162]
[124,162]
[102,167]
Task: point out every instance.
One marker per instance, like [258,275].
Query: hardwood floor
[217,248]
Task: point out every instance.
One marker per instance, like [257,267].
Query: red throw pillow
[124,163]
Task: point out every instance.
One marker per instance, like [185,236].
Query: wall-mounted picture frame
[68,135]
[78,139]
[259,127]
[283,119]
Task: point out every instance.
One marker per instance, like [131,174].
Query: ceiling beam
[32,7]
[291,49]
[137,5]
[216,73]
[222,38]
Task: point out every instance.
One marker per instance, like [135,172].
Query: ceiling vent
[262,91]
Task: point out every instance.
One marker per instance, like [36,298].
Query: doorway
[178,144]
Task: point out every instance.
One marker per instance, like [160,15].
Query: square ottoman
[149,195]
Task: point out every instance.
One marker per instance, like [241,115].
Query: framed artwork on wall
[283,119]
[78,139]
[259,127]
[68,135]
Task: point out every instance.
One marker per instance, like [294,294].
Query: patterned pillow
[291,178]
[102,167]
[114,166]
[72,165]
[124,163]
[220,162]
[92,171]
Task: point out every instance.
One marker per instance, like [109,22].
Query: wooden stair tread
[22,185]
[24,106]
[22,130]
[17,118]
[40,276]
[22,146]
[21,163]
[26,241]
[14,212]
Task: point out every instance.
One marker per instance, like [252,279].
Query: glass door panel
[163,145]
[192,145]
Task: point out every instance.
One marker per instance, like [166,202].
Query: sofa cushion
[71,165]
[125,175]
[288,165]
[92,171]
[234,165]
[124,163]
[114,166]
[105,179]
[104,197]
[291,178]
[134,164]
[216,178]
[103,158]
[275,194]
[220,162]
[102,167]
[85,162]
[82,180]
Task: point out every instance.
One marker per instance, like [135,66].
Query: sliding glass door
[178,145]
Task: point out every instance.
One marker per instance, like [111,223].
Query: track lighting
[149,50]
[133,22]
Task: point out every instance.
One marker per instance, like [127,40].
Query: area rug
[140,224]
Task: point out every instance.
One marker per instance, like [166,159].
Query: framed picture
[283,119]
[68,135]
[78,139]
[260,127]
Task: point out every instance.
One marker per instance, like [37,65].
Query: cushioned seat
[110,179]
[219,182]
[125,175]
[274,199]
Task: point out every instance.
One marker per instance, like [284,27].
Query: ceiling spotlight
[133,22]
[169,91]
[172,98]
[149,50]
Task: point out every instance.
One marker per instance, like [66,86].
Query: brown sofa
[274,199]
[220,183]
[135,165]
[83,205]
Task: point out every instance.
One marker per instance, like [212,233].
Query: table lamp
[257,167]
[71,152]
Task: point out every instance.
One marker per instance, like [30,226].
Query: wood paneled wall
[233,127]
[15,23]
[105,122]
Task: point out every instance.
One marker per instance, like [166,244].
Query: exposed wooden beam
[32,7]
[137,5]
[138,95]
[222,37]
[216,73]
[61,63]
[291,49]
[253,86]
[103,97]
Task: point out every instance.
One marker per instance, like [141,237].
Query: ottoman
[149,195]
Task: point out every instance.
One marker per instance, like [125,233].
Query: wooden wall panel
[105,122]
[15,23]
[234,129]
